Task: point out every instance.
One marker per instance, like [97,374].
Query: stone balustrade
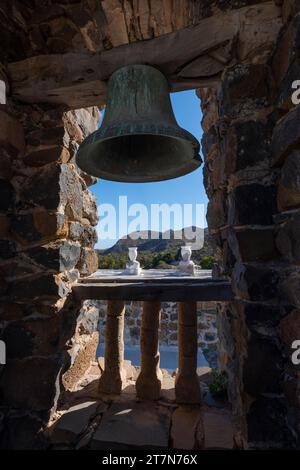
[152,289]
[149,381]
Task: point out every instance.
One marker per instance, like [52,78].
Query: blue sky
[187,189]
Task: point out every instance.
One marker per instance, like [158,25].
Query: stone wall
[251,145]
[47,236]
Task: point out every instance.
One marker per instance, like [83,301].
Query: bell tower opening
[125,211]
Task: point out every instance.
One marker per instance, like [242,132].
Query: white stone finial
[187,265]
[133,266]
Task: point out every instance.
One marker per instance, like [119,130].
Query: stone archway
[244,56]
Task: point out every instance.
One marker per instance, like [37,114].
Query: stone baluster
[114,377]
[149,381]
[187,387]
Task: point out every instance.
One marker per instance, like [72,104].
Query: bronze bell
[139,139]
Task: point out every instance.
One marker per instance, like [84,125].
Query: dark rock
[42,286]
[260,317]
[48,136]
[256,244]
[39,225]
[253,204]
[253,143]
[30,383]
[286,136]
[18,341]
[47,155]
[23,431]
[8,249]
[289,184]
[268,425]
[288,48]
[290,327]
[263,367]
[288,239]
[7,196]
[59,256]
[216,211]
[244,87]
[34,191]
[262,283]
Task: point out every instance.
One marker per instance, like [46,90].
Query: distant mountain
[156,242]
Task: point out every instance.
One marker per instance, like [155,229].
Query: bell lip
[113,132]
[186,136]
[182,171]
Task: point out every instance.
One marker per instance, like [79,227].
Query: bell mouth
[139,158]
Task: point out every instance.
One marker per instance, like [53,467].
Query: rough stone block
[84,233]
[134,424]
[8,249]
[23,431]
[286,136]
[47,136]
[260,317]
[287,50]
[256,244]
[216,211]
[218,429]
[88,262]
[253,204]
[268,425]
[290,327]
[7,196]
[74,422]
[187,428]
[66,190]
[290,8]
[11,134]
[247,144]
[89,209]
[30,383]
[59,256]
[288,239]
[257,283]
[40,286]
[245,87]
[263,367]
[36,336]
[289,184]
[39,225]
[5,164]
[290,287]
[43,156]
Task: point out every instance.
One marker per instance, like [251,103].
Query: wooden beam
[190,58]
[176,292]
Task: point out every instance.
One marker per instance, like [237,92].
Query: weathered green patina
[139,139]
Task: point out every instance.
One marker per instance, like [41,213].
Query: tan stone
[187,387]
[148,384]
[82,362]
[113,380]
[187,428]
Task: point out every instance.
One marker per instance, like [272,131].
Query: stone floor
[86,420]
